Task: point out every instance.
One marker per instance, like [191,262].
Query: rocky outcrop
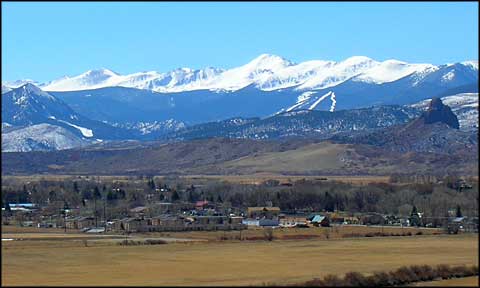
[439,113]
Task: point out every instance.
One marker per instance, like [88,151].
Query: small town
[203,215]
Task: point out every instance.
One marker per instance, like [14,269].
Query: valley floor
[207,263]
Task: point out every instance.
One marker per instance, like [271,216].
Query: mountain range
[269,97]
[430,144]
[266,72]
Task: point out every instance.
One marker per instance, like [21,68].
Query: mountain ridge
[266,72]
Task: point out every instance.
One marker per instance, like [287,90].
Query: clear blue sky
[44,41]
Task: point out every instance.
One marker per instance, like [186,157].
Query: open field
[239,179]
[252,233]
[225,263]
[338,232]
[455,282]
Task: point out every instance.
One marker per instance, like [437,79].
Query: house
[139,211]
[351,220]
[134,225]
[263,212]
[165,223]
[201,205]
[336,219]
[22,205]
[80,222]
[235,220]
[455,225]
[319,220]
[261,222]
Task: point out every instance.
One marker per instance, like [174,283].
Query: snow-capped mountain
[176,80]
[266,72]
[29,105]
[102,104]
[41,137]
[9,85]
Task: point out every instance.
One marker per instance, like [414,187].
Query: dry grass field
[339,232]
[312,157]
[224,263]
[238,179]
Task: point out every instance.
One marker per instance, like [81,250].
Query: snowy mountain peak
[269,62]
[266,72]
[100,72]
[18,83]
[30,89]
[358,60]
[472,63]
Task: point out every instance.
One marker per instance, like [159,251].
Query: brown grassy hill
[238,157]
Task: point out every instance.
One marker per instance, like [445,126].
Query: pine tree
[75,187]
[96,193]
[414,211]
[7,206]
[459,211]
[175,196]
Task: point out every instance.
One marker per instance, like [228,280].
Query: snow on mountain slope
[5,89]
[338,72]
[473,63]
[257,70]
[266,72]
[85,131]
[464,105]
[18,83]
[89,80]
[28,104]
[40,137]
[389,71]
[310,100]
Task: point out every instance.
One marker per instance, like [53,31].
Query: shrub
[316,282]
[354,279]
[155,241]
[402,276]
[419,233]
[381,279]
[332,281]
[443,271]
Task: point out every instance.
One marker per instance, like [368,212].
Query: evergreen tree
[111,196]
[329,202]
[75,187]
[459,211]
[414,211]
[175,196]
[96,193]
[7,206]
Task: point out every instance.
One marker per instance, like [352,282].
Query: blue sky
[44,41]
